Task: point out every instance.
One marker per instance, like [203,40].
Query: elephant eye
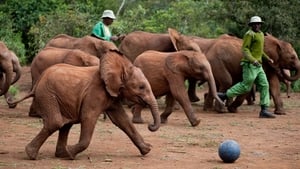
[142,87]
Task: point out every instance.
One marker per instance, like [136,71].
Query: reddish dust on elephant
[224,54]
[265,143]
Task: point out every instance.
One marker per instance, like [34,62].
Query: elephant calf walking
[65,95]
[167,73]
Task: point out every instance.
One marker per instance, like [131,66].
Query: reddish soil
[265,143]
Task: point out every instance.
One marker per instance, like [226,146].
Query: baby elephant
[67,95]
[167,73]
[50,56]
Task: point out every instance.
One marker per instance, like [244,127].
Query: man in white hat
[101,29]
[253,73]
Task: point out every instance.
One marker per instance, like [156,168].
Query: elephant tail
[13,104]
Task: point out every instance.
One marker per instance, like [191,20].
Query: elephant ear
[181,42]
[112,70]
[103,47]
[174,36]
[177,62]
[184,61]
[272,47]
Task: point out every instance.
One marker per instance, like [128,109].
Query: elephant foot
[278,112]
[250,102]
[193,98]
[232,109]
[220,109]
[70,154]
[31,152]
[207,108]
[195,122]
[145,148]
[163,120]
[176,106]
[12,106]
[62,153]
[137,120]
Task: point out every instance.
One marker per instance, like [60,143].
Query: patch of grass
[217,168]
[59,167]
[235,123]
[210,144]
[13,90]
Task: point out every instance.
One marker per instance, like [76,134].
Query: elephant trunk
[8,76]
[295,77]
[155,114]
[17,76]
[213,89]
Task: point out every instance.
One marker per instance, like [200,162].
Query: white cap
[255,19]
[108,14]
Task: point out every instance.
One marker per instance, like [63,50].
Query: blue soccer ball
[229,151]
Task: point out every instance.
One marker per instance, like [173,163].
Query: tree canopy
[29,24]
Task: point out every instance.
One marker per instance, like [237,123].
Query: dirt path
[265,143]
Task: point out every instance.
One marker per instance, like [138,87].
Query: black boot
[222,96]
[264,113]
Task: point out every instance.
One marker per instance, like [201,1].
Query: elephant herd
[224,55]
[74,80]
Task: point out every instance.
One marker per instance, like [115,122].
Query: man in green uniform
[253,73]
[101,29]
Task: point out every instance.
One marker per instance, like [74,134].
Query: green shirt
[99,31]
[253,46]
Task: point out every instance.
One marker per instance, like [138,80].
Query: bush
[70,22]
[13,90]
[13,40]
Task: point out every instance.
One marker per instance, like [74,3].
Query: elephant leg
[136,114]
[275,93]
[251,96]
[62,140]
[208,102]
[192,90]
[33,147]
[119,117]
[32,112]
[180,95]
[86,133]
[170,103]
[52,122]
[238,101]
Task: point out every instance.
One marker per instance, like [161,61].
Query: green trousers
[252,75]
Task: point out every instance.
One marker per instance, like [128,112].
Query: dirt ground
[265,143]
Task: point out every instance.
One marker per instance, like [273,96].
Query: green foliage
[13,90]
[132,21]
[12,39]
[296,86]
[187,16]
[70,22]
[26,26]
